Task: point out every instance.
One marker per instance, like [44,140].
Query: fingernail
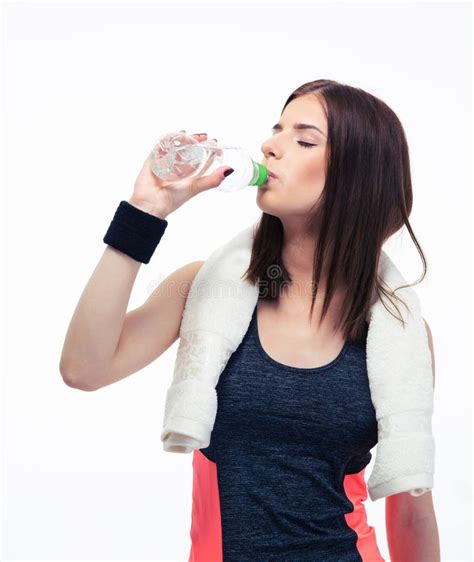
[228,172]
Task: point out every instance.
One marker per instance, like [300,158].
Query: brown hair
[367,197]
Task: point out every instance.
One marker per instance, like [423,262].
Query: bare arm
[150,329]
[104,342]
[412,530]
[96,325]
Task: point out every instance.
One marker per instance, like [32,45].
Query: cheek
[314,174]
[307,185]
[298,197]
[298,192]
[304,198]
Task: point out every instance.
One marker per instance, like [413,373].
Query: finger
[208,182]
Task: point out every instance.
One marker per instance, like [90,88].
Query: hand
[161,197]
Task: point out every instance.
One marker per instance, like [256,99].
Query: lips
[271,174]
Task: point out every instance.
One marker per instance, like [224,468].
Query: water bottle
[177,155]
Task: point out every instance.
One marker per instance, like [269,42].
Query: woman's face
[300,169]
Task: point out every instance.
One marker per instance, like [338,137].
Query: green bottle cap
[262,174]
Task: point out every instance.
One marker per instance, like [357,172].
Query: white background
[88,88]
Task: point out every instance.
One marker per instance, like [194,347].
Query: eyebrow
[298,126]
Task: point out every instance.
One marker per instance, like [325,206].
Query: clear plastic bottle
[178,155]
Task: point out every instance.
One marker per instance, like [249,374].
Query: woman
[340,188]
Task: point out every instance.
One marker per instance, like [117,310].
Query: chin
[262,199]
[269,209]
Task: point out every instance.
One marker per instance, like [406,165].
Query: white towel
[216,317]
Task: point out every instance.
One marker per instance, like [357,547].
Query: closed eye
[306,144]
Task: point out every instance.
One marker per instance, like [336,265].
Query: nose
[267,150]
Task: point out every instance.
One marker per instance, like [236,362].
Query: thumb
[212,180]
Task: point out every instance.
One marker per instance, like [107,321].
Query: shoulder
[177,284]
[189,270]
[430,343]
[187,273]
[192,268]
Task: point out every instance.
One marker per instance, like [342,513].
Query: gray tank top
[283,441]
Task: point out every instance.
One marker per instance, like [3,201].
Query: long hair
[367,197]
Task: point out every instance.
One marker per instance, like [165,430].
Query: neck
[297,256]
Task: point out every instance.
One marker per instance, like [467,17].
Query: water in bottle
[178,155]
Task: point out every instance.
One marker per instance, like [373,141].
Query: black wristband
[134,232]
